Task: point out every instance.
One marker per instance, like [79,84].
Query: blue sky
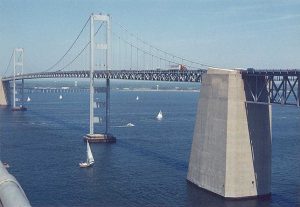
[228,33]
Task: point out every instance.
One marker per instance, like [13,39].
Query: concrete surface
[11,193]
[231,149]
[4,93]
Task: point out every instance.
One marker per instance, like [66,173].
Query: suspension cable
[81,51]
[148,53]
[12,54]
[75,57]
[162,51]
[60,59]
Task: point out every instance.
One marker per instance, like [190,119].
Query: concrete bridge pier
[231,149]
[4,93]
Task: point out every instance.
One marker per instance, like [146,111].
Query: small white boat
[90,159]
[130,125]
[137,98]
[60,97]
[28,99]
[159,115]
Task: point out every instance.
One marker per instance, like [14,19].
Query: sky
[227,33]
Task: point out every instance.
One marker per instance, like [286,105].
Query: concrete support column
[22,92]
[231,150]
[107,106]
[4,93]
[298,91]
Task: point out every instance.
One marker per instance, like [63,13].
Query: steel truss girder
[283,90]
[151,75]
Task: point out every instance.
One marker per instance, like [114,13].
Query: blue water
[148,164]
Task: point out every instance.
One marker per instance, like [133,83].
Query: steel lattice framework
[280,86]
[150,75]
[273,86]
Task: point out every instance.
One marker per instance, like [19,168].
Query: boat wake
[126,125]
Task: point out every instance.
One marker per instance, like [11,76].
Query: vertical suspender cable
[130,56]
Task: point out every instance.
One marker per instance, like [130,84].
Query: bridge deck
[282,86]
[151,75]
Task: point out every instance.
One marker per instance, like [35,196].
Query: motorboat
[130,125]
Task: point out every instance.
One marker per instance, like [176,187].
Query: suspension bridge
[232,137]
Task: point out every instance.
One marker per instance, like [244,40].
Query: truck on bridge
[178,67]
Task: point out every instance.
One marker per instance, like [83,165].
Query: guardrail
[11,192]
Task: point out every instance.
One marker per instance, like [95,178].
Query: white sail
[60,97]
[159,115]
[28,99]
[90,159]
[137,98]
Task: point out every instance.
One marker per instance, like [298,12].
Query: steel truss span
[279,86]
[150,75]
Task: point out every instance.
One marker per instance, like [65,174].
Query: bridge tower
[231,150]
[18,70]
[106,46]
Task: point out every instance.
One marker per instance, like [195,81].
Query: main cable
[12,54]
[162,51]
[80,51]
[50,68]
[151,54]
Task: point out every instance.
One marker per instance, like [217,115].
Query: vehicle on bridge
[178,67]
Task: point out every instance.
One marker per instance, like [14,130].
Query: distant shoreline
[65,89]
[159,90]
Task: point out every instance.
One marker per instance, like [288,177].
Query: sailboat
[28,99]
[159,115]
[137,98]
[60,97]
[90,159]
